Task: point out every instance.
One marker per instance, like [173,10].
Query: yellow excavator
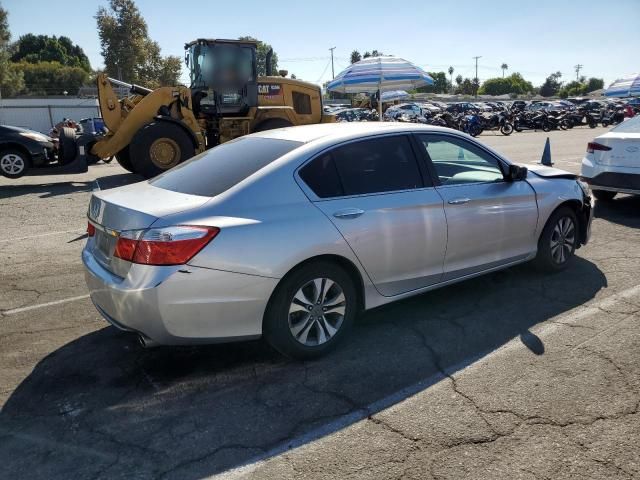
[150,131]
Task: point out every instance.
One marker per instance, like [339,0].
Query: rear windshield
[629,126]
[216,170]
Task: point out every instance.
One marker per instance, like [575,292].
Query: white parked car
[612,162]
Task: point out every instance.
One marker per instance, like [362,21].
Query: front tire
[506,129]
[311,310]
[14,163]
[124,160]
[558,241]
[604,195]
[159,146]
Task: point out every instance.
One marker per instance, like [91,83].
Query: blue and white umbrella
[392,95]
[380,74]
[624,87]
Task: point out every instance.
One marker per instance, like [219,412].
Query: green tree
[367,54]
[451,70]
[459,80]
[594,84]
[466,86]
[128,52]
[355,56]
[514,83]
[261,56]
[51,78]
[440,83]
[551,85]
[504,67]
[11,79]
[43,48]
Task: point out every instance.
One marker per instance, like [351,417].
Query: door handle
[459,201]
[348,213]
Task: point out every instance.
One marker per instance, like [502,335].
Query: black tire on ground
[546,127]
[159,146]
[604,195]
[91,158]
[271,124]
[593,124]
[506,128]
[14,163]
[124,159]
[605,123]
[276,325]
[68,145]
[556,230]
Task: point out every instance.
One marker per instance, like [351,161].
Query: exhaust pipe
[267,63]
[146,342]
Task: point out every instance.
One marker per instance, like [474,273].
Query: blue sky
[534,38]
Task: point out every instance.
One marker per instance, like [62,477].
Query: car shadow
[56,189]
[102,406]
[623,210]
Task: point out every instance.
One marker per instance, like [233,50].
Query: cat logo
[269,89]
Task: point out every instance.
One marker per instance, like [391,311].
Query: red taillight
[91,230]
[593,146]
[163,246]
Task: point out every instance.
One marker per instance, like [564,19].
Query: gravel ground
[512,375]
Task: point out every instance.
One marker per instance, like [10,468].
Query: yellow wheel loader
[151,131]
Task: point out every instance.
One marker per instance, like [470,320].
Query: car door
[490,221]
[385,207]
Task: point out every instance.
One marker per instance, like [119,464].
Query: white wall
[41,114]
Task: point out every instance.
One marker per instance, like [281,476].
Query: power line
[578,68]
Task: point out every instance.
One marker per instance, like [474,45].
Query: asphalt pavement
[512,375]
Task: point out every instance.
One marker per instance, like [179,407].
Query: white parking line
[77,230]
[43,305]
[573,317]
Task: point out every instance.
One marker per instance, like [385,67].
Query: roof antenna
[546,155]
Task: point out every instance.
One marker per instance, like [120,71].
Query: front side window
[456,161]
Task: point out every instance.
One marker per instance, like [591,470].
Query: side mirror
[516,173]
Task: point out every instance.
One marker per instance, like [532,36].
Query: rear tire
[124,159]
[14,163]
[159,146]
[558,241]
[290,322]
[604,195]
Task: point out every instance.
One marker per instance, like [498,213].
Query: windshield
[220,66]
[217,170]
[629,126]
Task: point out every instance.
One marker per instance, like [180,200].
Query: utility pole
[332,72]
[477,82]
[578,68]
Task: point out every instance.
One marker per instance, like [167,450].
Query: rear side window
[301,103]
[629,126]
[322,177]
[378,165]
[217,170]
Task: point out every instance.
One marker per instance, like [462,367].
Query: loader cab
[223,76]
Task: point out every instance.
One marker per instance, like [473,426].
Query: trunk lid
[133,207]
[625,150]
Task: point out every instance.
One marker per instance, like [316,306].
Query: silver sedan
[289,233]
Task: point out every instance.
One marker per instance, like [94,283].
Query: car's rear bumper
[180,305]
[615,182]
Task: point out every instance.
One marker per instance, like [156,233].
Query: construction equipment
[151,131]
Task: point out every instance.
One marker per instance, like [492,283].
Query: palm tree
[451,70]
[355,56]
[504,67]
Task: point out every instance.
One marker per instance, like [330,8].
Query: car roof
[335,132]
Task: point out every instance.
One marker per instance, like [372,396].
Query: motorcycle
[581,117]
[496,121]
[531,121]
[611,117]
[470,124]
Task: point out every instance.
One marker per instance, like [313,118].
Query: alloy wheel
[316,311]
[563,239]
[12,164]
